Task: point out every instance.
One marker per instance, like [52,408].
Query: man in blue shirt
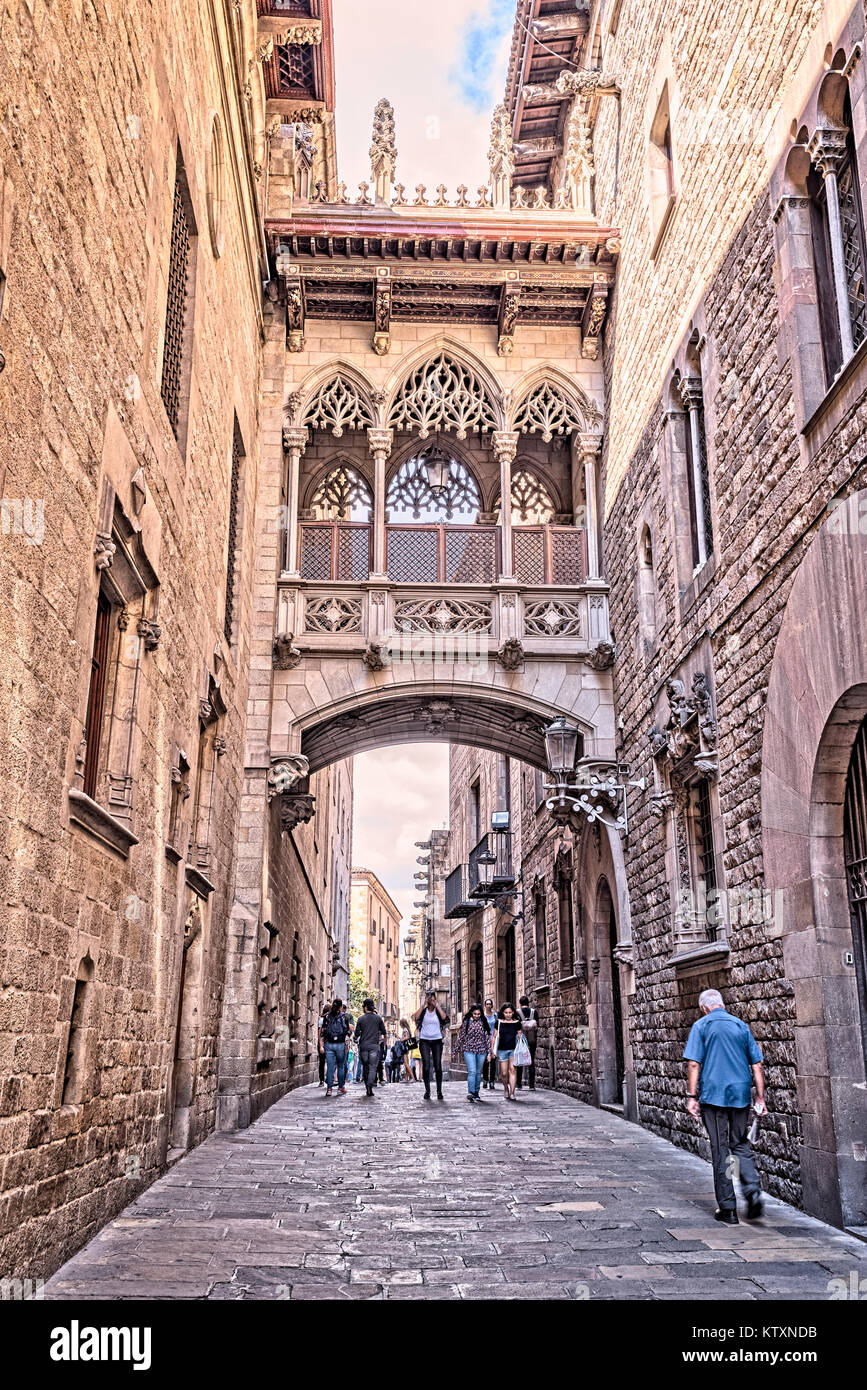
[722,1051]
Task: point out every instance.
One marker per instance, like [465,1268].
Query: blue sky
[443,67]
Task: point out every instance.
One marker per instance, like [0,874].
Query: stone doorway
[610,1062]
[507,973]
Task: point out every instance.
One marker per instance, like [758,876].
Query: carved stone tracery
[443,394]
[337,406]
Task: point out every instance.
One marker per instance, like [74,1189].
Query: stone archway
[817,698]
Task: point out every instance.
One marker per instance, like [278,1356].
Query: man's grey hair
[711,999]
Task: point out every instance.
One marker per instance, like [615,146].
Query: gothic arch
[462,357]
[817,695]
[577,407]
[446,442]
[524,463]
[302,398]
[342,458]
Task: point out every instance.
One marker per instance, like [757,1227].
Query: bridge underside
[468,719]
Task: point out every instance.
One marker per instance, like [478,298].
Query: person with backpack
[489,1066]
[369,1032]
[395,1058]
[333,1033]
[530,1020]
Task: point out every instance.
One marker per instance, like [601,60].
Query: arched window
[531,501]
[342,496]
[443,394]
[433,487]
[646,589]
[838,230]
[855,856]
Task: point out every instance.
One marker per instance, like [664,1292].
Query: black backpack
[335,1028]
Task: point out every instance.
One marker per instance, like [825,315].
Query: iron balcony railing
[490,866]
[421,554]
[458,901]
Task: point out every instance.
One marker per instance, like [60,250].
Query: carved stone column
[380,442]
[505,444]
[827,150]
[691,395]
[590,446]
[294,442]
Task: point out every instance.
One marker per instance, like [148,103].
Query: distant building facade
[375,940]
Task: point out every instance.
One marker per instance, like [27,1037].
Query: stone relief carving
[283,654]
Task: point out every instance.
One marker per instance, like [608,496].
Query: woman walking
[408,1043]
[508,1027]
[489,1067]
[474,1040]
[431,1021]
[333,1035]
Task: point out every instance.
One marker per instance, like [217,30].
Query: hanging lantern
[561,745]
[438,466]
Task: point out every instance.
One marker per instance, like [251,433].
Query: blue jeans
[474,1061]
[335,1056]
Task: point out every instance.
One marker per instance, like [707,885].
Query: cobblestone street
[396,1198]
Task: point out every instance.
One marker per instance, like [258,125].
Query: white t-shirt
[431,1029]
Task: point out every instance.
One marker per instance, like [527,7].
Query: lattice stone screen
[567,556]
[440,615]
[353,552]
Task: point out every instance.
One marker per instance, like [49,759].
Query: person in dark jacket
[332,1035]
[509,1025]
[369,1031]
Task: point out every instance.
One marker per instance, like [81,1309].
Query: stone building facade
[375,940]
[134,407]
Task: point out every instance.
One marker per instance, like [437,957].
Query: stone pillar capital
[827,149]
[505,444]
[295,438]
[590,445]
[380,441]
[691,392]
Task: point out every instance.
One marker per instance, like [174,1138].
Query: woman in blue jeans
[333,1034]
[474,1040]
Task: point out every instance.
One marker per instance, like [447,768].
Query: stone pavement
[397,1198]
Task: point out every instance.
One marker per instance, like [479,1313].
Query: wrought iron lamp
[594,789]
[438,466]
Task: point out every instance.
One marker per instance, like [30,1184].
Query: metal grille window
[541,938]
[705,860]
[232,559]
[174,348]
[855,858]
[96,695]
[851,224]
[699,509]
[295,67]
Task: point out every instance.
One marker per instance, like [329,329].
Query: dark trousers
[370,1061]
[531,1069]
[431,1052]
[731,1153]
[489,1070]
[321,1067]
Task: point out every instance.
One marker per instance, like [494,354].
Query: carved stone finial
[501,158]
[585,81]
[383,150]
[284,656]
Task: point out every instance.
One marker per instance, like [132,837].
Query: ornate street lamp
[594,789]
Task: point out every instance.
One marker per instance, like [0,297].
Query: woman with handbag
[508,1032]
[474,1041]
[408,1042]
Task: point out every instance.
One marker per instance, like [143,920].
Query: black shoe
[440,1095]
[426,1095]
[755,1206]
[532,1088]
[728,1218]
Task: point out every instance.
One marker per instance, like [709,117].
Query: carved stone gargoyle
[511,654]
[292,768]
[296,808]
[602,656]
[376,656]
[284,656]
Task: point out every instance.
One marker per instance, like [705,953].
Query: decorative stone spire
[501,158]
[578,167]
[383,151]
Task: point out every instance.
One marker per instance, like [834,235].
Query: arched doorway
[507,966]
[608,1005]
[855,860]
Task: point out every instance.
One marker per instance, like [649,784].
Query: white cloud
[442,65]
[401,794]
